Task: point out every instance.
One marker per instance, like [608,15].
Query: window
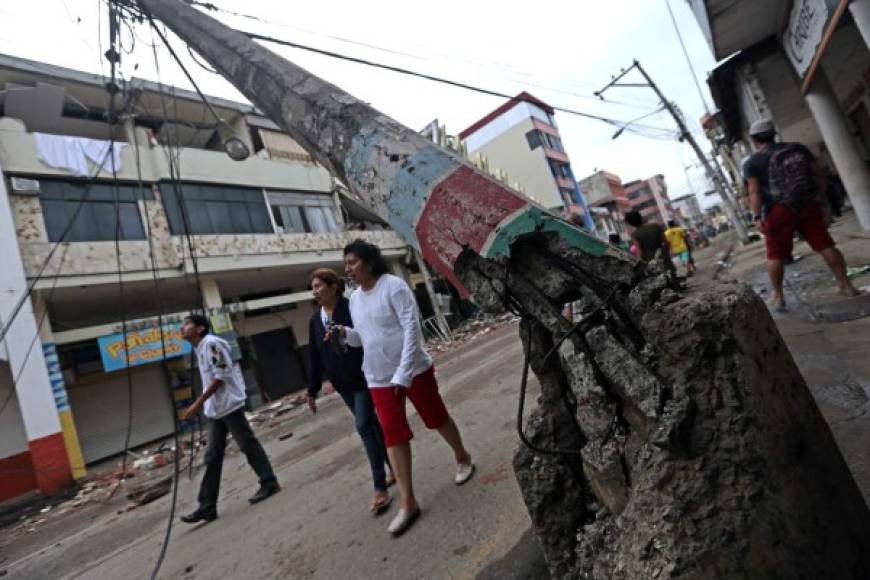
[534,139]
[560,169]
[91,213]
[553,142]
[299,213]
[216,209]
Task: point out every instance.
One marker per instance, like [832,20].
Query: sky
[560,52]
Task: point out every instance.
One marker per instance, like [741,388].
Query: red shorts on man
[782,222]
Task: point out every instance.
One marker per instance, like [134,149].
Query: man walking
[679,246]
[785,183]
[222,402]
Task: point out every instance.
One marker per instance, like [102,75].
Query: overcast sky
[559,51]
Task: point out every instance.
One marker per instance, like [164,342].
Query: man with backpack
[785,184]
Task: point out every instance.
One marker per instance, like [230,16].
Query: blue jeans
[369,429]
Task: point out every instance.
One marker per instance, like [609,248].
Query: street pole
[721,189]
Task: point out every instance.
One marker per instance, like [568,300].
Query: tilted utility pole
[686,135]
[674,435]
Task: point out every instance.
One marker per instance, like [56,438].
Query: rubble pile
[468,331]
[674,436]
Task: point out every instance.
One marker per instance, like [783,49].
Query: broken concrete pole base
[697,449]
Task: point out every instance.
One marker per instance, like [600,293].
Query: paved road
[319,525]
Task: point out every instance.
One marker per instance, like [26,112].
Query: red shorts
[781,223]
[390,407]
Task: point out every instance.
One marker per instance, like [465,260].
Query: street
[319,525]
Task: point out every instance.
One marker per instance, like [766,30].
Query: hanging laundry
[73,153]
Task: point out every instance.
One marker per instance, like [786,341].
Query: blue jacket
[344,371]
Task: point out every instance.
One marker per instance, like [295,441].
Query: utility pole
[632,466]
[686,135]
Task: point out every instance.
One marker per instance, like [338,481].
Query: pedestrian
[678,243]
[342,365]
[649,238]
[222,402]
[785,182]
[616,240]
[397,368]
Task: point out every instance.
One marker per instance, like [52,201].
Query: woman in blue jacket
[342,366]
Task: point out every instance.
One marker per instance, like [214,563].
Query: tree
[675,436]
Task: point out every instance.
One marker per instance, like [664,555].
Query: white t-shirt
[387,328]
[215,361]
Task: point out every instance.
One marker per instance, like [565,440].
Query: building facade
[521,137]
[805,64]
[650,198]
[687,210]
[177,226]
[606,198]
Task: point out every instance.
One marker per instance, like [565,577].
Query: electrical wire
[686,54]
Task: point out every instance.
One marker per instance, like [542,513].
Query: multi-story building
[177,226]
[650,198]
[521,138]
[606,199]
[687,210]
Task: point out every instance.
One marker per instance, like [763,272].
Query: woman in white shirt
[397,367]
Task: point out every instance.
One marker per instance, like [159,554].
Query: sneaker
[403,520]
[265,491]
[464,471]
[200,515]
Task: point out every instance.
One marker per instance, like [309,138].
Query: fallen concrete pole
[692,446]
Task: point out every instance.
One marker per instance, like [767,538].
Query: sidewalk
[828,335]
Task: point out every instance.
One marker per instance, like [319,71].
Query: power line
[686,54]
[429,77]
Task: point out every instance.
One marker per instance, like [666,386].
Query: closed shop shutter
[100,411]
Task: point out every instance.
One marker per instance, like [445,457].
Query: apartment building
[606,199]
[650,197]
[177,226]
[688,211]
[521,138]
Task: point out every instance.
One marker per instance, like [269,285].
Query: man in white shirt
[223,403]
[396,368]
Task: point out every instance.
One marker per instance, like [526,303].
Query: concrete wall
[510,151]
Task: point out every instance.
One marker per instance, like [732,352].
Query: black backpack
[791,178]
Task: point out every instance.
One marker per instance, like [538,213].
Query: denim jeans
[369,429]
[237,424]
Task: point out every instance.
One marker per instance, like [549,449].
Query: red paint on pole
[462,210]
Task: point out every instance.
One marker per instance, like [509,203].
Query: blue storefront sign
[142,347]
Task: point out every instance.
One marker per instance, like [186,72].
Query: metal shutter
[100,411]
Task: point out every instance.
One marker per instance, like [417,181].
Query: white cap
[761,127]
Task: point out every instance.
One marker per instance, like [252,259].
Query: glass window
[297,213]
[92,213]
[534,139]
[215,209]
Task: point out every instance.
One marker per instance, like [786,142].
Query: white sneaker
[464,471]
[403,520]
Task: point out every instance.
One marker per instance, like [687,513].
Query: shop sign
[144,346]
[806,26]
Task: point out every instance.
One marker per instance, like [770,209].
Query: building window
[534,139]
[560,169]
[215,209]
[90,214]
[300,213]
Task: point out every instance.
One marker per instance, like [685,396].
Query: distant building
[650,198]
[687,210]
[521,138]
[606,200]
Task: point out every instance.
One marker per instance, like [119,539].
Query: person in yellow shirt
[679,243]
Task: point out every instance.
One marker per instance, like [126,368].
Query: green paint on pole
[536,219]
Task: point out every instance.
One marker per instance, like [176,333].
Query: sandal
[390,481]
[379,506]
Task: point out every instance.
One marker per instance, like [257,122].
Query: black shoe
[200,515]
[264,492]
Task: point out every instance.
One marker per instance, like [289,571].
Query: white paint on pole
[33,387]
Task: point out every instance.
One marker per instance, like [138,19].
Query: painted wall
[510,151]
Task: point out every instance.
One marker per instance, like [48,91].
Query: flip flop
[377,507]
[390,481]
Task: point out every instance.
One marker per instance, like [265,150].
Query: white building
[239,238]
[687,209]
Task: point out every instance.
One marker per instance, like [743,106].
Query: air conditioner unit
[24,186]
